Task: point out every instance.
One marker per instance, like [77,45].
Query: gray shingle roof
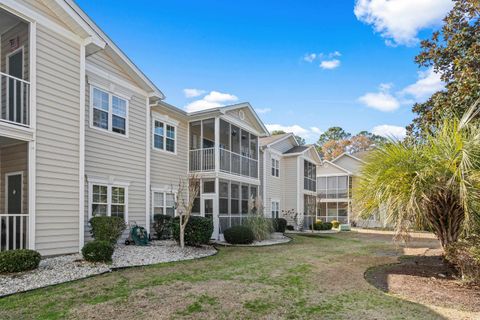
[297,149]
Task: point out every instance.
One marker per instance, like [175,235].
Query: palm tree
[434,182]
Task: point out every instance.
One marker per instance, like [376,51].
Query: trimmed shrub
[322,226]
[197,232]
[19,260]
[336,224]
[290,227]
[107,228]
[239,235]
[162,224]
[261,227]
[280,225]
[98,251]
[327,226]
[465,256]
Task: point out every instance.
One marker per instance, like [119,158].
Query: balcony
[15,100]
[14,70]
[203,160]
[215,139]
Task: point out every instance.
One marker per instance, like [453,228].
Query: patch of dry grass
[311,277]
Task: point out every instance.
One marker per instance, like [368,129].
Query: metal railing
[13,231]
[14,100]
[230,162]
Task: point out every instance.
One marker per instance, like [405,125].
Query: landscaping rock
[67,268]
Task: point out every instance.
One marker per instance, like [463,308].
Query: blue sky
[304,65]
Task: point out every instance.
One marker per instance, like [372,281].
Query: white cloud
[263,111]
[327,60]
[399,21]
[310,57]
[330,64]
[390,131]
[192,93]
[428,83]
[295,129]
[310,134]
[316,130]
[382,100]
[214,99]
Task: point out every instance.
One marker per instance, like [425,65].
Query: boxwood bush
[239,235]
[280,225]
[19,260]
[107,228]
[98,251]
[319,225]
[197,232]
[335,224]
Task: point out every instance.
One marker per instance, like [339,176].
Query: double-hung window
[109,112]
[275,168]
[275,209]
[163,203]
[108,200]
[164,136]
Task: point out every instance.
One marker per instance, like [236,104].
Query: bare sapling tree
[188,191]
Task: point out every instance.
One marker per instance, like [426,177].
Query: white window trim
[165,192]
[109,185]
[277,162]
[276,201]
[166,121]
[110,111]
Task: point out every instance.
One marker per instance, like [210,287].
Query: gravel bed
[67,268]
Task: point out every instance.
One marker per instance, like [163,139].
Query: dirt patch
[426,280]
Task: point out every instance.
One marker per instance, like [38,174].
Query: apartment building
[336,182]
[83,132]
[288,177]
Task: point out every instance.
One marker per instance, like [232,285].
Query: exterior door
[14,195]
[15,69]
[210,210]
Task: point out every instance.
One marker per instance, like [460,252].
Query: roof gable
[244,113]
[75,19]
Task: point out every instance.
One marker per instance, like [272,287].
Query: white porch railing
[13,231]
[14,100]
[230,162]
[202,160]
[235,163]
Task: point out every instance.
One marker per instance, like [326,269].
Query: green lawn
[310,278]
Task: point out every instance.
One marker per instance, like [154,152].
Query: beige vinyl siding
[115,157]
[284,145]
[166,169]
[249,119]
[291,191]
[274,185]
[349,164]
[14,159]
[57,144]
[103,61]
[40,7]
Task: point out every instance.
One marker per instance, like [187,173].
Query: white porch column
[217,144]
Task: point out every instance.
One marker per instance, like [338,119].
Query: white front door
[210,210]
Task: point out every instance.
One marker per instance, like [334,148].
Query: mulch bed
[426,280]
